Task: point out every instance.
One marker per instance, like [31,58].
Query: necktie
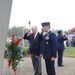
[34,36]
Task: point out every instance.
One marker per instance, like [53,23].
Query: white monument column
[5,10]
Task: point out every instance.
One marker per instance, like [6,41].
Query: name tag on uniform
[47,38]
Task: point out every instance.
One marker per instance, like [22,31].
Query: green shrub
[26,50]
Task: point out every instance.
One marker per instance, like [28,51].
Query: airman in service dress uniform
[49,48]
[61,47]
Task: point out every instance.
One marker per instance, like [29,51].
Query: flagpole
[29,24]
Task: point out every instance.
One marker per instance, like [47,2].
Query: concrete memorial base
[5,10]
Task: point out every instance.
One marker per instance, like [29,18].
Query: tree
[18,31]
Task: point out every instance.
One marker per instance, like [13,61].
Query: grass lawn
[69,52]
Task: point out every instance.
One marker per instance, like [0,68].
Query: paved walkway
[27,68]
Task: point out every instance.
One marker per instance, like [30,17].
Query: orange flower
[9,63]
[13,68]
[13,35]
[18,41]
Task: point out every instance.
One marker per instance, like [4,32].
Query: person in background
[73,37]
[35,51]
[49,48]
[60,39]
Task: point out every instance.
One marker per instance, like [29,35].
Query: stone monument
[5,10]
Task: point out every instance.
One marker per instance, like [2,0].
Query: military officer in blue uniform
[49,48]
[60,39]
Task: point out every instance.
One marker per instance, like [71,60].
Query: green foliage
[26,50]
[69,52]
[17,30]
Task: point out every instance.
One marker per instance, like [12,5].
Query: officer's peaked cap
[45,24]
[59,31]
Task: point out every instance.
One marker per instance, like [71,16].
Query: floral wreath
[14,56]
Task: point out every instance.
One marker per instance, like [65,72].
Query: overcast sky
[60,13]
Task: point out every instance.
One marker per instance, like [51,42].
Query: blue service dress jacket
[60,40]
[34,43]
[49,45]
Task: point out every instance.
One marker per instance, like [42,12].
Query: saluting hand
[41,55]
[42,31]
[28,31]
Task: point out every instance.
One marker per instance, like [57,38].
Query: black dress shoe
[60,65]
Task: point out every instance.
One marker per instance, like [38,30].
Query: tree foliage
[18,31]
